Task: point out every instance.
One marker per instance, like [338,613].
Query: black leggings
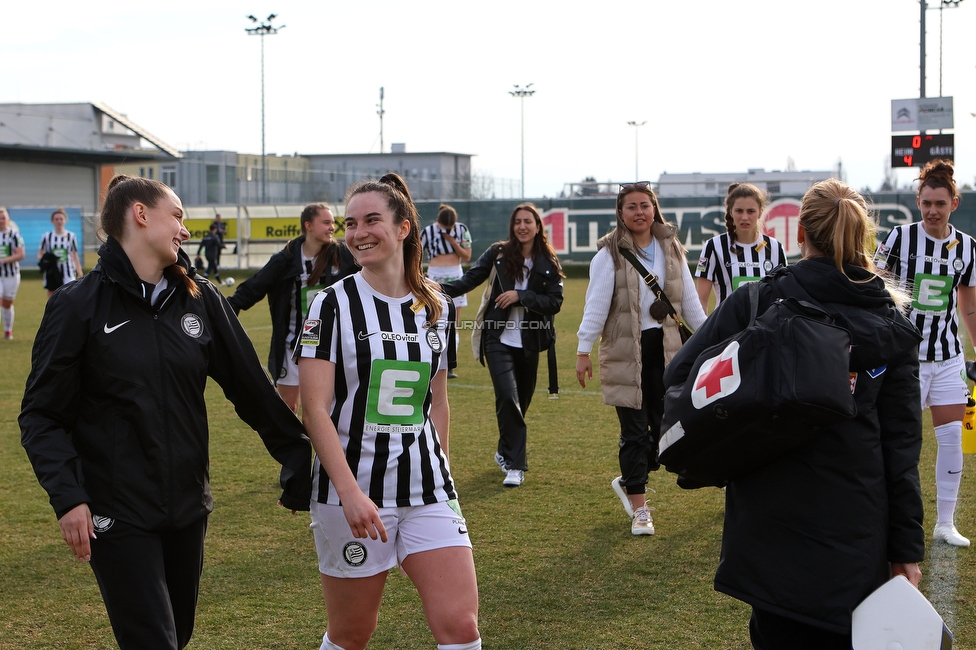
[150,583]
[640,429]
[513,374]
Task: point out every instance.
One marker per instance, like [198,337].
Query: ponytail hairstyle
[511,250]
[124,192]
[61,212]
[938,173]
[446,215]
[399,201]
[742,191]
[838,225]
[328,255]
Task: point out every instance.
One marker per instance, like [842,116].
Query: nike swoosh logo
[951,472]
[363,336]
[462,531]
[109,330]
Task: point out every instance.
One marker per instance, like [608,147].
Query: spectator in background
[211,245]
[291,279]
[63,245]
[221,233]
[524,293]
[447,244]
[636,340]
[11,252]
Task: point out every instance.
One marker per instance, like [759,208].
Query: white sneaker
[642,523]
[513,478]
[624,499]
[500,461]
[948,534]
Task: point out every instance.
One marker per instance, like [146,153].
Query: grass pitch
[557,565]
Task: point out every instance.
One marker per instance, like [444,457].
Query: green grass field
[557,565]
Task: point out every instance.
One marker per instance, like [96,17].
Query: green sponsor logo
[308,295]
[739,281]
[4,250]
[61,254]
[397,390]
[931,292]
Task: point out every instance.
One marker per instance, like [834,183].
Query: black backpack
[759,393]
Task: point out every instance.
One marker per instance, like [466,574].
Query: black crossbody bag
[662,307]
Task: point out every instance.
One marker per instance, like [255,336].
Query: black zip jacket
[542,298]
[277,281]
[810,535]
[114,413]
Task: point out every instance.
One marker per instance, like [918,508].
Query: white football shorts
[412,529]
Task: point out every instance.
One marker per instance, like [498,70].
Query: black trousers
[770,631]
[213,266]
[513,374]
[640,429]
[150,583]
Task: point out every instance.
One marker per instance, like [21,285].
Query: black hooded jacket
[114,412]
[810,535]
[277,281]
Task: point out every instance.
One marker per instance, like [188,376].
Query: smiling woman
[115,423]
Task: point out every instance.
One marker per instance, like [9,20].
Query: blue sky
[723,86]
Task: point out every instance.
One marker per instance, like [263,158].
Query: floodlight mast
[522,93]
[263,29]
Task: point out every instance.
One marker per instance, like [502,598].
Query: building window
[213,184]
[772,188]
[142,172]
[168,176]
[150,173]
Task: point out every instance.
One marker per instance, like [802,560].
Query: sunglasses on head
[626,187]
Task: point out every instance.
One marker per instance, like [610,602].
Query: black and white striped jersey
[434,243]
[728,265]
[10,240]
[386,356]
[62,246]
[931,270]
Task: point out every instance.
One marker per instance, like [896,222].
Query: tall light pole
[380,112]
[637,126]
[923,7]
[522,93]
[262,29]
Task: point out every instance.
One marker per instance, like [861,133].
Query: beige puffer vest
[620,351]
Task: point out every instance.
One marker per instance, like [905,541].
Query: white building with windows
[773,182]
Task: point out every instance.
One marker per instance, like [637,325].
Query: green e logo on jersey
[741,280]
[397,390]
[931,292]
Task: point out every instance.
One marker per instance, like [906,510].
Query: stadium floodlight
[522,93]
[263,29]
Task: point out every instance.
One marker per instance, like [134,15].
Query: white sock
[328,645]
[474,645]
[8,318]
[948,469]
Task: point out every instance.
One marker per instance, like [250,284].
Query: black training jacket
[810,535]
[277,281]
[114,413]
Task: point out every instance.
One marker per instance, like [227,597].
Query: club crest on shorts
[192,325]
[311,332]
[718,377]
[354,554]
[102,523]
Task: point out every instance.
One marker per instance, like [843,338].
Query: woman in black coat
[290,279]
[810,535]
[114,418]
[516,320]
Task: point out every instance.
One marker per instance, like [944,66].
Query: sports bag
[758,394]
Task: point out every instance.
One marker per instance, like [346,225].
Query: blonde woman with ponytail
[810,535]
[373,359]
[937,263]
[114,418]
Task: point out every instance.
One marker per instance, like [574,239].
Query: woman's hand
[507,299]
[584,369]
[363,517]
[77,529]
[908,569]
